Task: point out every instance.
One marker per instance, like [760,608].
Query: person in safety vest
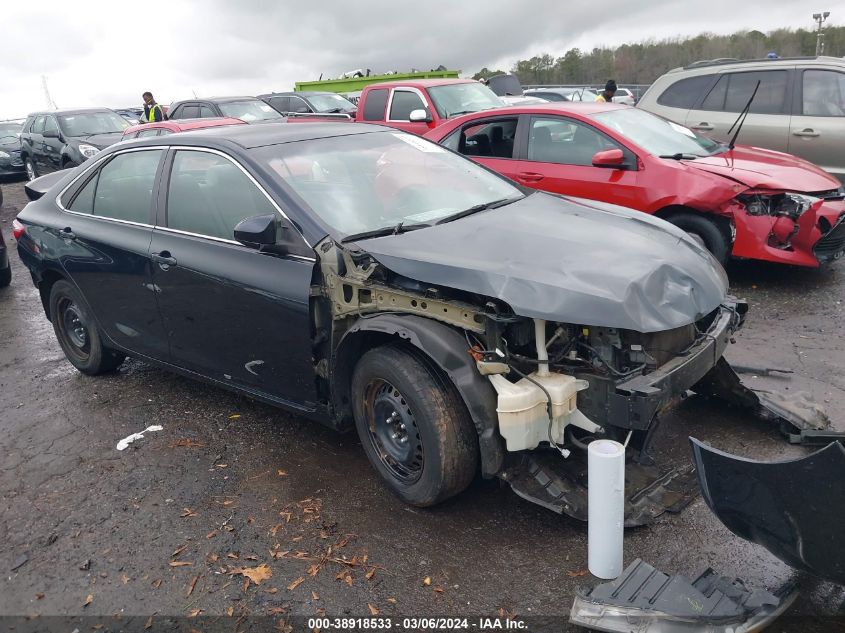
[608,92]
[152,110]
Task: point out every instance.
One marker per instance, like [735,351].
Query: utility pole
[820,18]
[50,103]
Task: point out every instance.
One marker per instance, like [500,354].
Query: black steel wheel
[414,427]
[77,331]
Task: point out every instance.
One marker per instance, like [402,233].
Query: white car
[623,95]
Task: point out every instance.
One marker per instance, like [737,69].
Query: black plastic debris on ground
[646,600]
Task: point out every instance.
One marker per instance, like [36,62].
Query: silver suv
[799,107]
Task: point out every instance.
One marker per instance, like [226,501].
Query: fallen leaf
[186,443]
[276,528]
[230,611]
[39,596]
[235,416]
[250,520]
[577,573]
[180,563]
[179,550]
[228,528]
[315,595]
[191,586]
[194,613]
[229,502]
[313,570]
[211,534]
[286,515]
[438,590]
[282,473]
[296,583]
[88,600]
[257,574]
[348,579]
[125,579]
[212,557]
[276,610]
[279,554]
[187,512]
[302,555]
[149,623]
[246,585]
[369,575]
[233,555]
[373,610]
[157,583]
[320,611]
[271,590]
[97,627]
[392,600]
[426,581]
[251,557]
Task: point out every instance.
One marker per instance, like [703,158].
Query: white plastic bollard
[606,508]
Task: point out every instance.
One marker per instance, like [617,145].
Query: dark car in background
[308,102]
[59,139]
[10,148]
[247,109]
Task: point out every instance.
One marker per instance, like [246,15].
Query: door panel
[817,129]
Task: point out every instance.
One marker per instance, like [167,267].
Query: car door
[51,145]
[107,232]
[767,123]
[817,127]
[36,143]
[232,313]
[558,157]
[490,141]
[402,102]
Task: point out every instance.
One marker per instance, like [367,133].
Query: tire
[397,396]
[31,172]
[78,333]
[5,276]
[705,231]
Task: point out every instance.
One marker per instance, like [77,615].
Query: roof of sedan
[249,136]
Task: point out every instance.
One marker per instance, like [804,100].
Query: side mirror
[613,158]
[50,134]
[257,231]
[420,115]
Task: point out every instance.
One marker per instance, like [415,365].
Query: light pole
[820,18]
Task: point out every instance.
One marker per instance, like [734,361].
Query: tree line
[644,62]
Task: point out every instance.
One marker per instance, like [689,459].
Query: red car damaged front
[787,210]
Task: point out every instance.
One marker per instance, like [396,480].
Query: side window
[146,133]
[38,126]
[403,103]
[565,142]
[176,113]
[733,90]
[823,93]
[50,125]
[27,126]
[189,112]
[298,105]
[487,138]
[125,186]
[206,112]
[209,195]
[282,104]
[684,93]
[84,200]
[374,104]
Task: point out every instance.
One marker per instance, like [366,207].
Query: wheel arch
[444,350]
[722,223]
[46,282]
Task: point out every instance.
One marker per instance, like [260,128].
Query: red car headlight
[791,205]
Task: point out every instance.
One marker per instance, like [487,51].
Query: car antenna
[742,115]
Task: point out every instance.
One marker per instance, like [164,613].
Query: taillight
[18,229]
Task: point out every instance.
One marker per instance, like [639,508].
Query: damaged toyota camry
[368,278]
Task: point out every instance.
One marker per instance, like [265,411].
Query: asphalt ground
[175,526]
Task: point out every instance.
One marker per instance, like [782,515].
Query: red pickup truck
[419,106]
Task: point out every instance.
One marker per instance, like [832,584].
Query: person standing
[152,110]
[608,92]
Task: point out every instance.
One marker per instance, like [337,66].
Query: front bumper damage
[795,509]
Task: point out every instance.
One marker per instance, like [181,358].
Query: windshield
[454,99]
[331,103]
[365,182]
[249,111]
[90,123]
[10,130]
[656,135]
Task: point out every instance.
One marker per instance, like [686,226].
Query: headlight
[88,150]
[4,154]
[788,204]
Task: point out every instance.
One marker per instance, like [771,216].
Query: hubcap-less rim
[393,431]
[73,329]
[30,171]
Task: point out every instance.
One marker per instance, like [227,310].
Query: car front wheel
[705,232]
[78,333]
[31,172]
[415,429]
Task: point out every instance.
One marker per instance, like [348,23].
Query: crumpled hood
[568,260]
[757,167]
[100,141]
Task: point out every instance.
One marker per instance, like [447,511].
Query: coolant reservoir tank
[522,410]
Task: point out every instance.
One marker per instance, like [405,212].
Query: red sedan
[742,202]
[160,128]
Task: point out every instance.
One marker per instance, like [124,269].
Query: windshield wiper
[385,230]
[478,207]
[681,156]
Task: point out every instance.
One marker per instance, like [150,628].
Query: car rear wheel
[78,333]
[415,429]
[5,276]
[705,232]
[31,172]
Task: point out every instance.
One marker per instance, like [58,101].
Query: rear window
[374,105]
[684,93]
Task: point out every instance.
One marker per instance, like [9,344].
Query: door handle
[808,132]
[529,176]
[67,233]
[704,125]
[163,259]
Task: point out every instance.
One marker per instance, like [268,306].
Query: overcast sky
[98,52]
